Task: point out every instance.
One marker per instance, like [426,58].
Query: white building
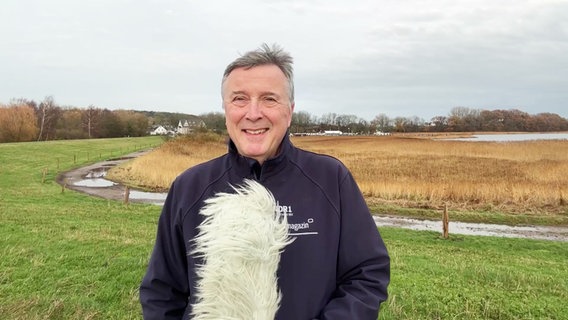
[159,131]
[332,133]
[187,126]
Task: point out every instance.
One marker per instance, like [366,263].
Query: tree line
[27,120]
[460,119]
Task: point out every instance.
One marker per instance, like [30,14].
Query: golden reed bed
[527,177]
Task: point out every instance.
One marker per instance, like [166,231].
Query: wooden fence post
[445,222]
[126,195]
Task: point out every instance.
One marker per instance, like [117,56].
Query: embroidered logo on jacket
[295,229]
[287,210]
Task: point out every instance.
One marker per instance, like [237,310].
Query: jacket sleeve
[363,265]
[164,291]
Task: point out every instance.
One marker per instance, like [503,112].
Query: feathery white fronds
[240,242]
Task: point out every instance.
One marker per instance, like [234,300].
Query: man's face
[258,110]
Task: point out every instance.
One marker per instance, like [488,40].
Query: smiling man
[258,109]
[336,265]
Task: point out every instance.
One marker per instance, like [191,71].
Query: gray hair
[266,55]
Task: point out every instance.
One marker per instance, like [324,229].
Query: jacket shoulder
[192,184]
[316,164]
[205,171]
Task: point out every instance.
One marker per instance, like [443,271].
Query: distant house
[189,125]
[159,131]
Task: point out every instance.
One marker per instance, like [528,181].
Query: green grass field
[65,255]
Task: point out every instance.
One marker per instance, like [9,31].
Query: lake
[515,137]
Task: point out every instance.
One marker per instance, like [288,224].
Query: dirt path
[90,180]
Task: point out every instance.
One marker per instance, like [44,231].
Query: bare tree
[329,120]
[90,119]
[400,124]
[47,115]
[214,121]
[382,122]
[438,124]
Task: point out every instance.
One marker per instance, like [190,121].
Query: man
[337,266]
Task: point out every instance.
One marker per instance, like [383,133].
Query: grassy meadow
[513,183]
[65,255]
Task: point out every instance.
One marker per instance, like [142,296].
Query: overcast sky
[402,58]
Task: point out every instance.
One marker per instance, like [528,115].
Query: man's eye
[269,101]
[240,101]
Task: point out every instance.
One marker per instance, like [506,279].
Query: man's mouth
[257,131]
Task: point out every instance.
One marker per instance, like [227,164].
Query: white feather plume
[240,242]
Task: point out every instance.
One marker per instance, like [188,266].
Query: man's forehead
[257,76]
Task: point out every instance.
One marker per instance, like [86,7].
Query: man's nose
[254,111]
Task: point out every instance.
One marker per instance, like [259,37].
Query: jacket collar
[251,167]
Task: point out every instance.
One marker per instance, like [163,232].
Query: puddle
[95,179]
[478,229]
[95,183]
[150,197]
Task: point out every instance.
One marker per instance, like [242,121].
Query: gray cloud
[402,58]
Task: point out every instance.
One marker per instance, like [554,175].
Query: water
[95,179]
[465,228]
[95,183]
[515,137]
[157,198]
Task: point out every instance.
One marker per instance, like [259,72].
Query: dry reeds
[514,176]
[158,169]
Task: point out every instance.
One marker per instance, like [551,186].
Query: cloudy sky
[361,57]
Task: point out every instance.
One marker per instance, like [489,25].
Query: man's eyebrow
[269,93]
[262,94]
